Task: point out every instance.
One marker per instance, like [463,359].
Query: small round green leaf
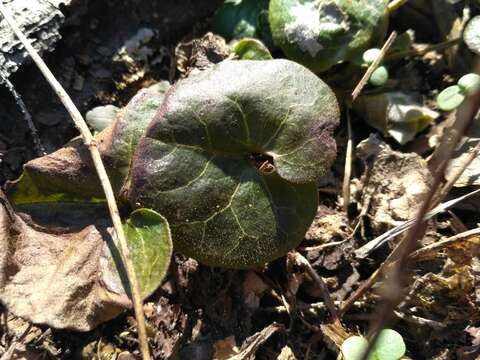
[200,161]
[149,241]
[389,345]
[469,83]
[471,35]
[379,76]
[251,49]
[320,34]
[450,98]
[370,55]
[354,347]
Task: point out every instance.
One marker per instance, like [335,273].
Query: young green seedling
[380,75]
[451,97]
[389,346]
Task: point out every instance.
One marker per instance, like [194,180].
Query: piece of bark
[40,21]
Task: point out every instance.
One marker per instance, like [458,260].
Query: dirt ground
[201,311]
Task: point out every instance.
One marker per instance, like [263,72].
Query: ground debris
[394,184]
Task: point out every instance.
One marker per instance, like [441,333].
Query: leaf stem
[301,261]
[89,141]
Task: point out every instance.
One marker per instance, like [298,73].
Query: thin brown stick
[366,285]
[39,149]
[348,166]
[424,251]
[89,141]
[395,4]
[361,84]
[419,52]
[300,260]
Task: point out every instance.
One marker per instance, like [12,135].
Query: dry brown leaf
[42,282]
[446,297]
[393,185]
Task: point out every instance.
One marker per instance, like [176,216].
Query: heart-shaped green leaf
[232,158]
[320,34]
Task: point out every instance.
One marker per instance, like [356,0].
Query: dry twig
[348,166]
[39,149]
[373,66]
[395,4]
[7,355]
[300,260]
[89,141]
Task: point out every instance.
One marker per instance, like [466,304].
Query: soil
[199,309]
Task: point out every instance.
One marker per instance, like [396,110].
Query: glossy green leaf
[471,35]
[320,34]
[379,77]
[251,49]
[198,163]
[450,98]
[150,245]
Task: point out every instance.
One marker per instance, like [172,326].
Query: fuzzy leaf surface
[196,161]
[319,34]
